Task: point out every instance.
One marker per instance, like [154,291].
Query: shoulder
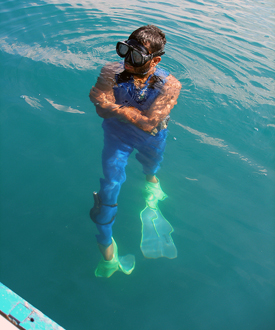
[111,68]
[171,81]
[106,79]
[168,78]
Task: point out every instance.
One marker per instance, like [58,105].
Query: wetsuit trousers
[120,139]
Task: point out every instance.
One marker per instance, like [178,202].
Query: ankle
[107,252]
[151,178]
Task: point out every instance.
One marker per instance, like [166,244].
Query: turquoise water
[218,169]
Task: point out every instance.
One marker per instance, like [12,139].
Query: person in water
[134,97]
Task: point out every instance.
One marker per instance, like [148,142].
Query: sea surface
[218,168]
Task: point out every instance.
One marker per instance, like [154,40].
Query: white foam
[66,59]
[32,101]
[64,108]
[204,138]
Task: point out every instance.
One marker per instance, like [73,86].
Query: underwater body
[218,167]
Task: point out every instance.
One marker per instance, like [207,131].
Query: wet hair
[151,34]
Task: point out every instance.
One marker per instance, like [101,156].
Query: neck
[143,77]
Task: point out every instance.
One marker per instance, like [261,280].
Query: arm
[158,111]
[102,96]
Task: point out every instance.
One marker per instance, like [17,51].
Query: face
[141,70]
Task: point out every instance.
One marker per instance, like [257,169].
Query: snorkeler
[135,98]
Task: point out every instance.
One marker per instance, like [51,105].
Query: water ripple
[212,46]
[224,51]
[220,143]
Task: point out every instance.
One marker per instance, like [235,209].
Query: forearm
[131,115]
[103,113]
[106,108]
[135,117]
[158,111]
[103,104]
[145,120]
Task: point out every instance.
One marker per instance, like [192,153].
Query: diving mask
[135,53]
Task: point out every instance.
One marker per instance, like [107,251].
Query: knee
[103,214]
[109,190]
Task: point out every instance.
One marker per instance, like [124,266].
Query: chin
[129,68]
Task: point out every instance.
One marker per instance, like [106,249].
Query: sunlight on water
[204,138]
[64,108]
[218,168]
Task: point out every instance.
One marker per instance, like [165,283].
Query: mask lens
[136,57]
[122,50]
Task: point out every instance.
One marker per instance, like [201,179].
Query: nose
[128,59]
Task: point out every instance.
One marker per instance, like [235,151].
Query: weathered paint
[22,314]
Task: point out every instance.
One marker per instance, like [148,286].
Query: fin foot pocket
[125,264]
[153,193]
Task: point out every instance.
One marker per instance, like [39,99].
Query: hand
[104,107]
[97,96]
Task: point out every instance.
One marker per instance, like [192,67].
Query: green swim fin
[156,240]
[124,264]
[153,193]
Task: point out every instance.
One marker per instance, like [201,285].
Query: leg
[156,238]
[150,154]
[151,178]
[114,159]
[107,252]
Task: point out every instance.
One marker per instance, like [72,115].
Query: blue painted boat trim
[22,314]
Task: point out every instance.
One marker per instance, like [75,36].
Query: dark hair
[151,34]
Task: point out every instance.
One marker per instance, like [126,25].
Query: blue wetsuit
[120,139]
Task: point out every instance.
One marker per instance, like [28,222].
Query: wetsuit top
[127,94]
